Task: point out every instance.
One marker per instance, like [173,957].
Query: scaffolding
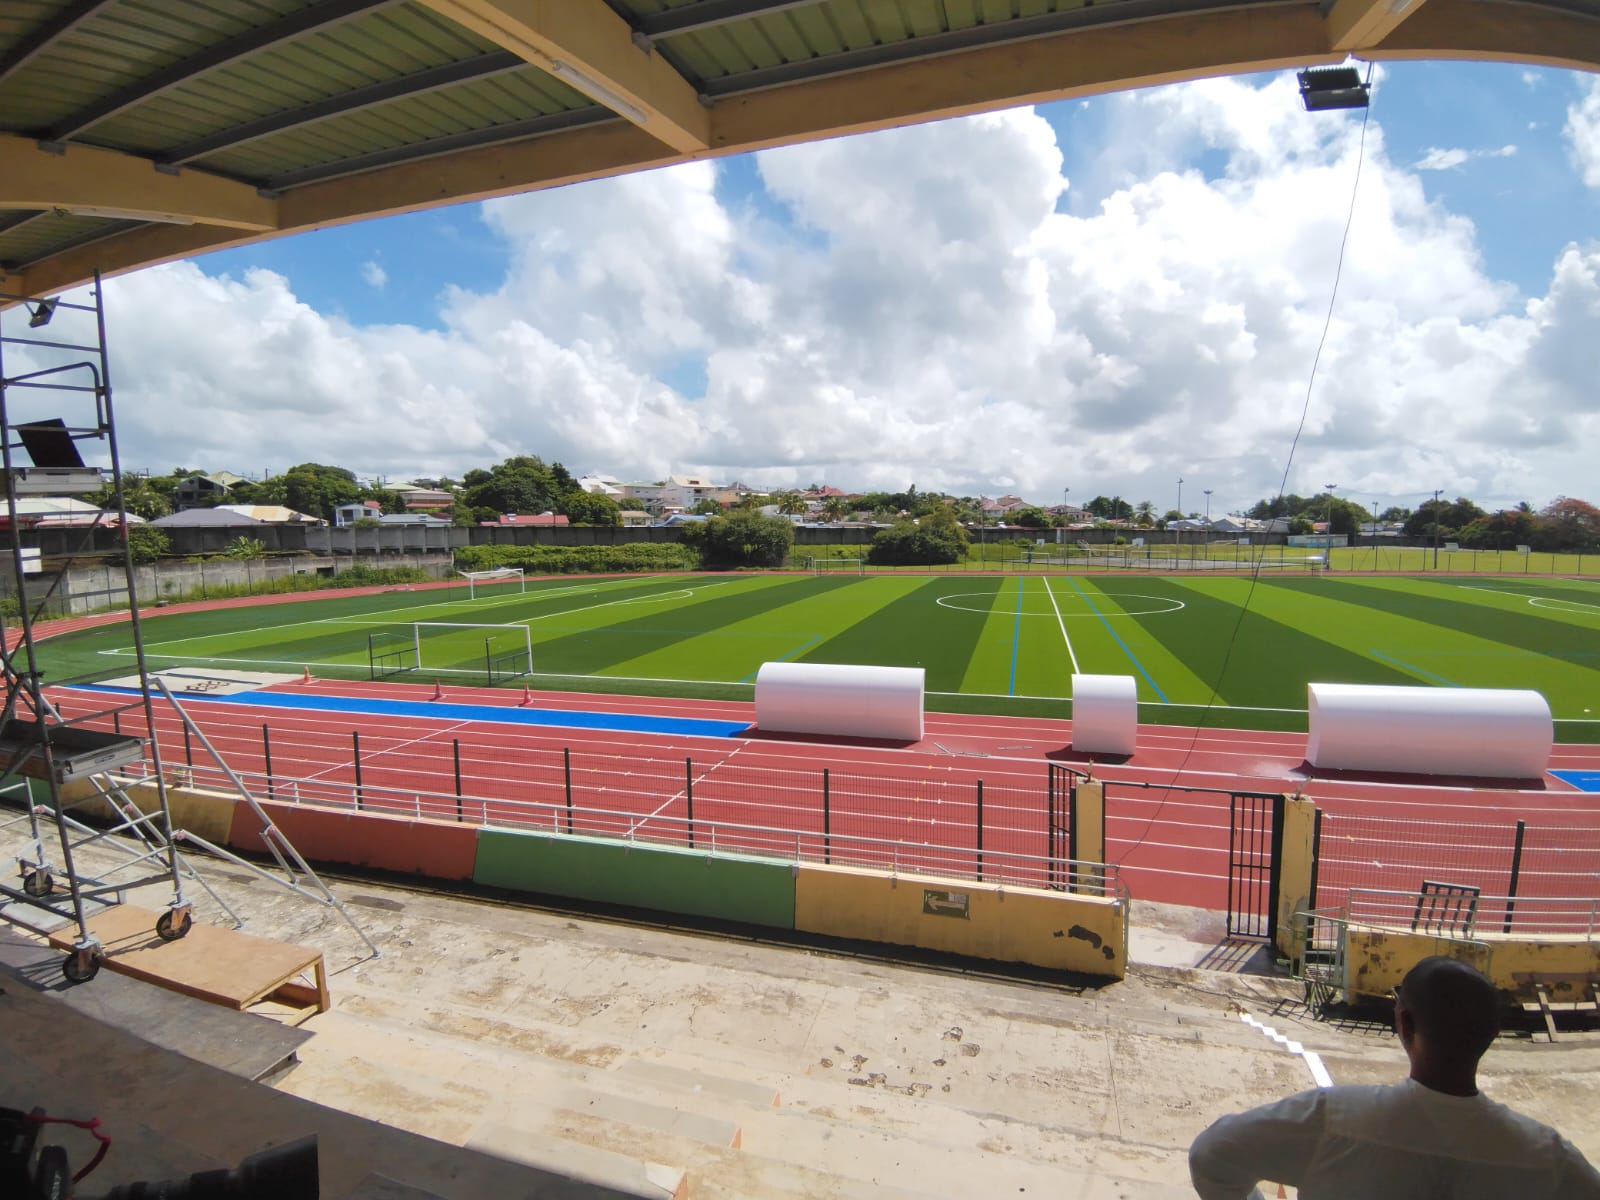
[55,395]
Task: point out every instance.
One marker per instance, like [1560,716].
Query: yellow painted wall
[208,814]
[1089,810]
[1295,865]
[1043,928]
[1378,959]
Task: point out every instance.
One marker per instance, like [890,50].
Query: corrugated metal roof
[280,94]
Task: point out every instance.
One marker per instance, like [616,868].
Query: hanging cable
[1283,483]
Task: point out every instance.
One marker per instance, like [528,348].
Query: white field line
[1062,623]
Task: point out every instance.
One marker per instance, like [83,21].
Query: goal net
[838,566]
[495,582]
[498,652]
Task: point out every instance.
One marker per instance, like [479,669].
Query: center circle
[1161,604]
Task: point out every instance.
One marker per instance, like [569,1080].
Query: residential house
[58,512]
[545,519]
[273,514]
[349,514]
[602,485]
[685,491]
[634,518]
[202,490]
[420,499]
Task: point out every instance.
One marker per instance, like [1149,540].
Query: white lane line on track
[1072,654]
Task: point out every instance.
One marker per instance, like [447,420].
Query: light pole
[1437,492]
[1327,540]
[1208,506]
[1061,530]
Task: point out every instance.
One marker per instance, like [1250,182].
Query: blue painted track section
[1584,781]
[441,710]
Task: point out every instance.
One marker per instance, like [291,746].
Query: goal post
[838,566]
[390,653]
[494,581]
[472,648]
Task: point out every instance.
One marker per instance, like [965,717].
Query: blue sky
[1104,294]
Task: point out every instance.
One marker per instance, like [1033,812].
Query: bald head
[1453,1007]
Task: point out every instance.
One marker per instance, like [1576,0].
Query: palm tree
[836,508]
[790,504]
[1146,513]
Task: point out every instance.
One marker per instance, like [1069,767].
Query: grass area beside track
[1210,649]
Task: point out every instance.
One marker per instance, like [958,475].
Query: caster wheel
[38,883]
[168,930]
[81,966]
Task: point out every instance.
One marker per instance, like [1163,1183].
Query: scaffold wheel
[168,931]
[81,965]
[38,882]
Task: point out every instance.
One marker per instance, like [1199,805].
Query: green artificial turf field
[988,643]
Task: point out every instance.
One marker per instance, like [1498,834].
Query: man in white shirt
[1433,1137]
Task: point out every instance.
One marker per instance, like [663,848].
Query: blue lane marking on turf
[1584,781]
[1414,670]
[1016,634]
[440,710]
[1154,686]
[795,653]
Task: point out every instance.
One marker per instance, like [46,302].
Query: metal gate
[1063,827]
[1255,845]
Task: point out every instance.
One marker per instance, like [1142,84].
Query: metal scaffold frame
[75,799]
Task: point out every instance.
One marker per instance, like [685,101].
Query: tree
[311,488]
[1569,524]
[741,539]
[1030,518]
[836,508]
[1110,508]
[791,505]
[1394,513]
[707,508]
[139,493]
[146,543]
[934,539]
[1300,526]
[589,508]
[1145,513]
[1442,518]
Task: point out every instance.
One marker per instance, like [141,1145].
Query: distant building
[201,489]
[60,512]
[545,519]
[272,514]
[634,518]
[349,514]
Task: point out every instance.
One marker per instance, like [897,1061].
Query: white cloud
[1436,159]
[374,274]
[915,306]
[1583,132]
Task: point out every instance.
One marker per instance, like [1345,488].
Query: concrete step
[488,1079]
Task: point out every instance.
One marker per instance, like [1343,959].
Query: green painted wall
[728,887]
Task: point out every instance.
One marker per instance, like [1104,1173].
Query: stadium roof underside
[134,132]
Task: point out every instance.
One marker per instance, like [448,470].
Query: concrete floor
[760,1069]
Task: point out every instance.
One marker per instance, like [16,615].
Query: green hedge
[563,560]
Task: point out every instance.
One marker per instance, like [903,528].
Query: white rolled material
[841,699]
[1105,714]
[1502,733]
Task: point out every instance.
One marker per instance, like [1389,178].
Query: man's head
[1446,1013]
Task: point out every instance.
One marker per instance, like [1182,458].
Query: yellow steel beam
[92,182]
[588,47]
[1081,63]
[1472,29]
[1354,25]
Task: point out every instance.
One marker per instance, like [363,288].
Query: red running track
[913,806]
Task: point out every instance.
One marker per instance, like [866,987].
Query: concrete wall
[86,589]
[1377,959]
[727,887]
[1065,932]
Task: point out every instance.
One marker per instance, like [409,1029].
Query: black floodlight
[41,313]
[1325,88]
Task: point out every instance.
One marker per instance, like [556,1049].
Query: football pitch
[1005,644]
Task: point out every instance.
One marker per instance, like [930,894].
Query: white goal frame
[494,575]
[832,566]
[417,628]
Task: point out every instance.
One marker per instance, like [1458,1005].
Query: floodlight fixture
[1323,89]
[41,313]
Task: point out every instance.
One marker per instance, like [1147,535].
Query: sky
[1092,297]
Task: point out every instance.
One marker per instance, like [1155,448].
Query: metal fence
[1515,867]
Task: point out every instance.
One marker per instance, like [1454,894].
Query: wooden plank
[223,966]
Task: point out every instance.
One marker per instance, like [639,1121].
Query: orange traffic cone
[527,697]
[306,678]
[438,690]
